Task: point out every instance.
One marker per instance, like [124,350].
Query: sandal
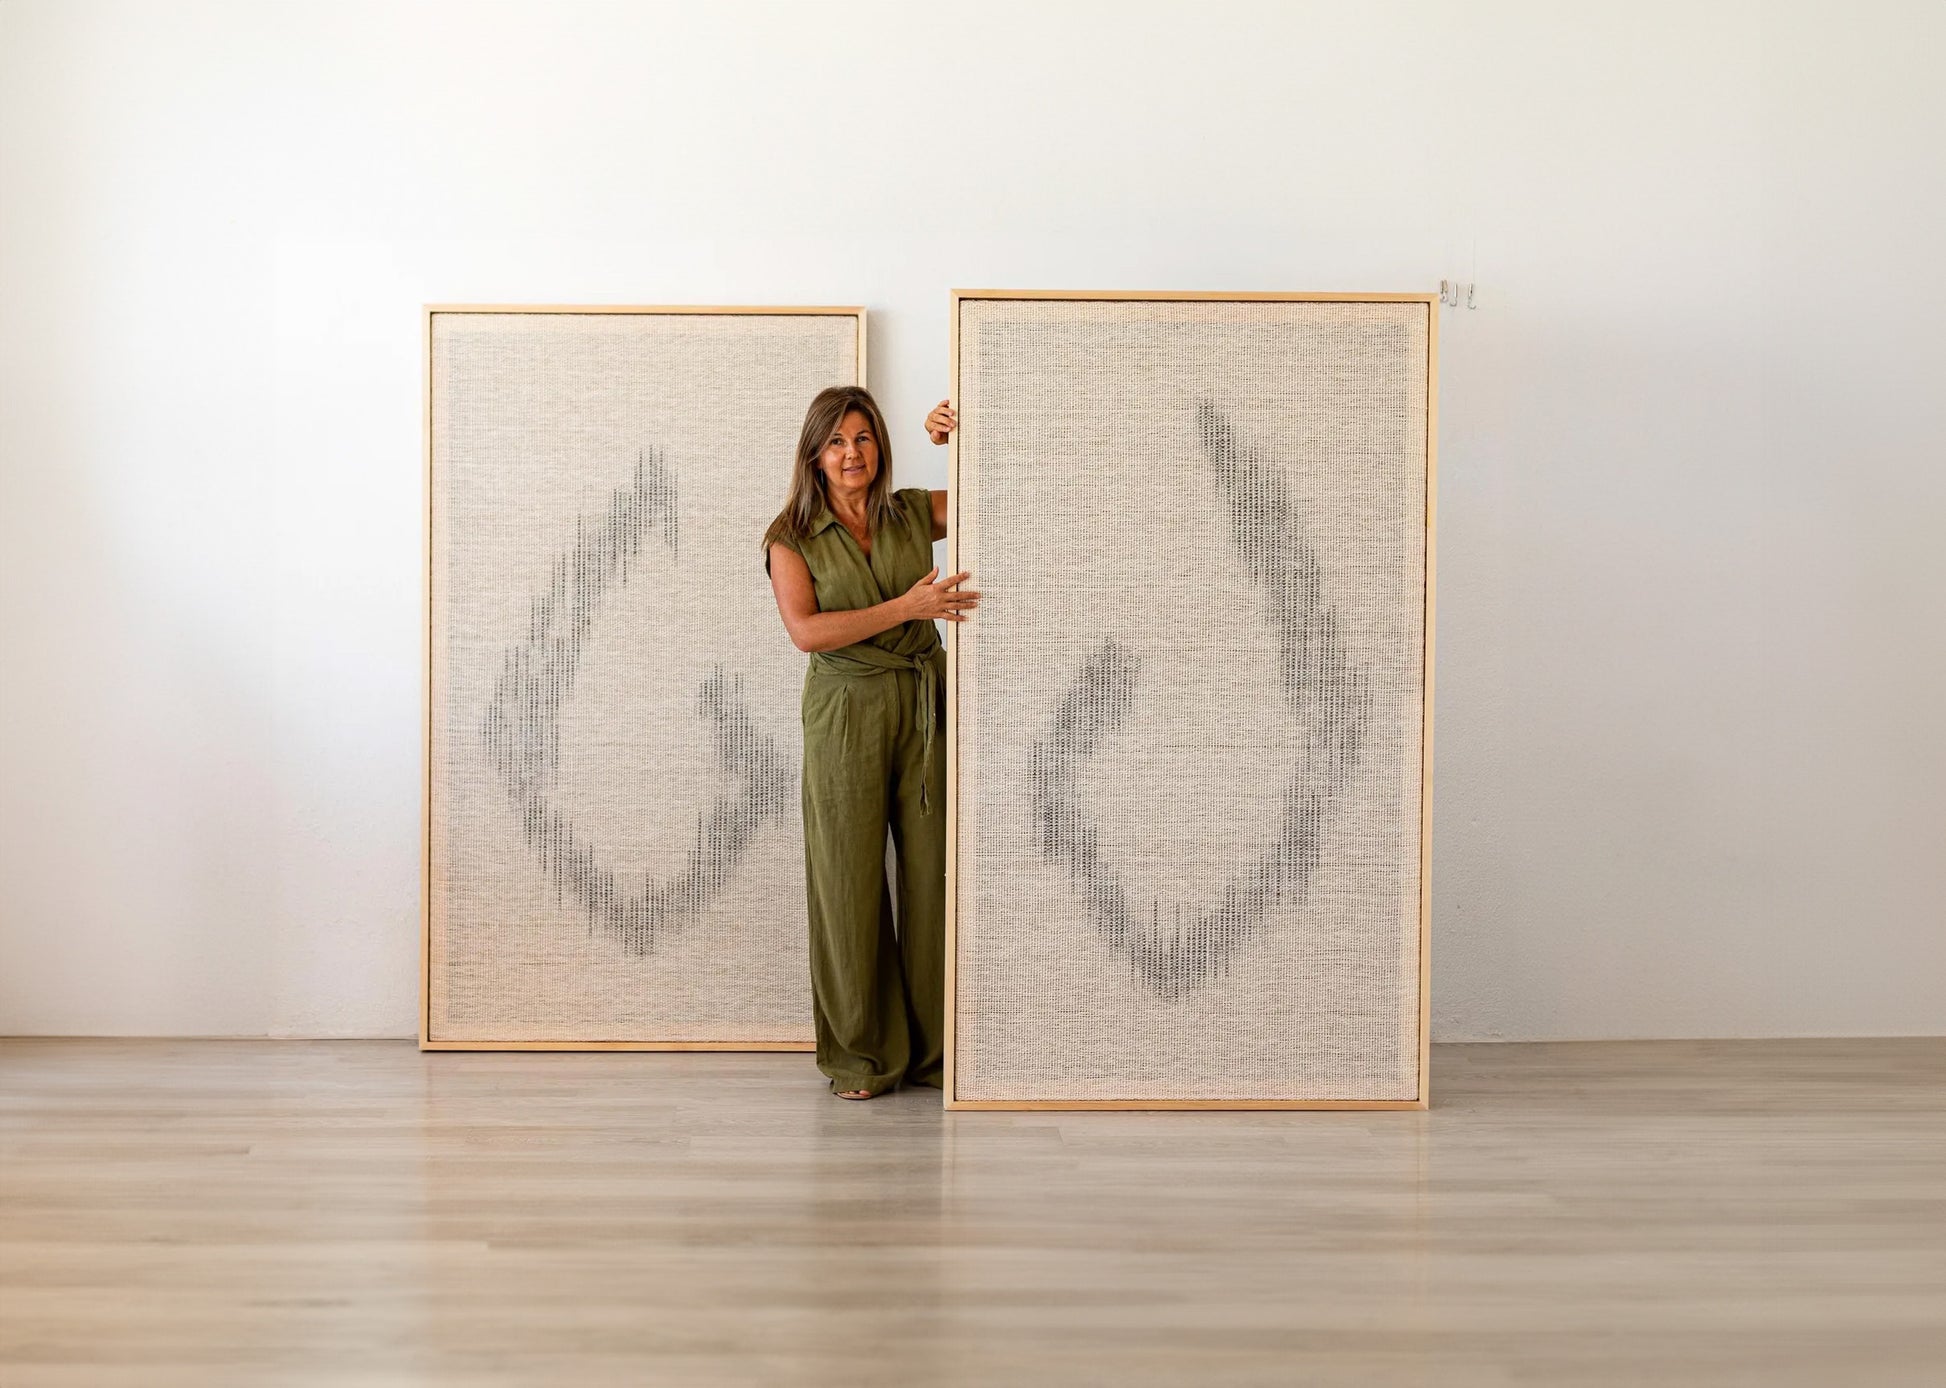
[854,1093]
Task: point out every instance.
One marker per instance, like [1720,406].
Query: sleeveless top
[847,580]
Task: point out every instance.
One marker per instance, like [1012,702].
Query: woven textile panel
[615,850]
[1189,710]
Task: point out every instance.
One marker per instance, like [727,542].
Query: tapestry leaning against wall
[1189,732]
[614,856]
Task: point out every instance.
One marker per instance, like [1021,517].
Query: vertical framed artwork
[613,852]
[1189,735]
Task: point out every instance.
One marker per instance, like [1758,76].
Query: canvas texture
[1189,708]
[616,849]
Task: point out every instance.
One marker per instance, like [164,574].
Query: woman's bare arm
[939,427]
[813,630]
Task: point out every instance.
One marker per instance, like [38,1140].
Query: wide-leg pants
[878,995]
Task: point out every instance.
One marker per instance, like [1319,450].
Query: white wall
[1690,773]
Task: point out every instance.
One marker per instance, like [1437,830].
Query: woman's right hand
[928,599]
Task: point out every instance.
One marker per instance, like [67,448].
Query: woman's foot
[854,1093]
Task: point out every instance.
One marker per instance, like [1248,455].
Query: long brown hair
[828,409]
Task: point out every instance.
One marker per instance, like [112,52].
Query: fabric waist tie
[864,660]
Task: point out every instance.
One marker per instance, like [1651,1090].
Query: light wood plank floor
[287,1212]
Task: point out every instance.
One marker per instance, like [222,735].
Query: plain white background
[1690,770]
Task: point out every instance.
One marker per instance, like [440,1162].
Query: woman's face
[850,458]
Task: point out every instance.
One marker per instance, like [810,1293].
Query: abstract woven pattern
[615,851]
[1189,712]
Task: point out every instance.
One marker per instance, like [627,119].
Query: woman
[850,561]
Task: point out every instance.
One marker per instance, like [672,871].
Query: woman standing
[850,561]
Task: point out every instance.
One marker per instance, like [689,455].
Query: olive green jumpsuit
[874,755]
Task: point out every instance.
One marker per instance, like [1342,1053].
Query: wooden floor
[287,1212]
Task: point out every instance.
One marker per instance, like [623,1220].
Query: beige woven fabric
[616,849]
[1189,708]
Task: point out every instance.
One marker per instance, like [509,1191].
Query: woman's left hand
[941,421]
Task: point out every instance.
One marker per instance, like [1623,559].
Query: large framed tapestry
[614,858]
[1189,736]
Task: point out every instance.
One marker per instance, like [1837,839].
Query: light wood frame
[1424,1098]
[428,313]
